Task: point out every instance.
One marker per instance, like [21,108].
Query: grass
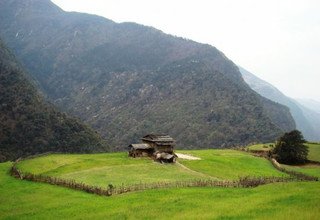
[310,169]
[29,200]
[230,164]
[118,168]
[104,169]
[261,147]
[314,151]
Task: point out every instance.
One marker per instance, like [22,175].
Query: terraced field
[118,168]
[230,164]
[22,199]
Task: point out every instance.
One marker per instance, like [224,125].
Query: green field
[314,151]
[28,200]
[309,169]
[104,169]
[118,168]
[260,147]
[229,164]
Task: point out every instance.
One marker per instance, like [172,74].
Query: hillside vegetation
[29,125]
[295,200]
[127,80]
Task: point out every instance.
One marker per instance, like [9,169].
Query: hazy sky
[278,40]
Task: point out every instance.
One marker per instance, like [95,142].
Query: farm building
[161,143]
[159,147]
[140,150]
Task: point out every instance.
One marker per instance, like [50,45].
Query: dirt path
[195,172]
[187,157]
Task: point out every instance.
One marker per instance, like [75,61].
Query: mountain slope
[311,104]
[28,125]
[127,80]
[306,120]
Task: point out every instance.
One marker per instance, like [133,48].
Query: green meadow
[261,147]
[314,151]
[21,199]
[118,168]
[230,164]
[29,200]
[104,169]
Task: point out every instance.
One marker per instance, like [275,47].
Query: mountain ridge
[124,75]
[307,120]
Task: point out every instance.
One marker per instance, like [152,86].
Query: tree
[290,148]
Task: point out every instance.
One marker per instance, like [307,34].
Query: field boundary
[298,175]
[243,182]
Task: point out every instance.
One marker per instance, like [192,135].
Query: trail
[187,157]
[196,172]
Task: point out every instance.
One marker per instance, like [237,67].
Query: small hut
[159,147]
[140,150]
[160,143]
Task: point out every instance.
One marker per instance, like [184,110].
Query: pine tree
[290,148]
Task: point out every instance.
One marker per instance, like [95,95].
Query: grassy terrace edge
[30,200]
[244,181]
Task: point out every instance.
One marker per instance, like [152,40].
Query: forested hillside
[29,125]
[127,80]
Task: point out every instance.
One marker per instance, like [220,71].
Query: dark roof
[140,146]
[160,139]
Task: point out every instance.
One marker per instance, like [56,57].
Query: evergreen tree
[290,148]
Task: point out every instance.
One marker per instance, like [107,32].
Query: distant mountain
[311,104]
[29,125]
[307,121]
[127,80]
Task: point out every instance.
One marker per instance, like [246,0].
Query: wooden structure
[165,157]
[159,147]
[140,150]
[160,143]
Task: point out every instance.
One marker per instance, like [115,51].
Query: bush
[290,148]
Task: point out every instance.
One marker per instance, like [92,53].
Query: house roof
[159,139]
[140,146]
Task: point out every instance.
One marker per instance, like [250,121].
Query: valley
[101,119]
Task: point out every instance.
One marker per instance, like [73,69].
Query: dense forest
[29,125]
